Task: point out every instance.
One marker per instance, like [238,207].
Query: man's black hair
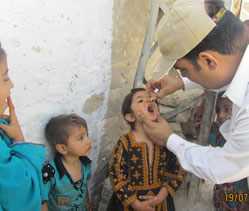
[227,37]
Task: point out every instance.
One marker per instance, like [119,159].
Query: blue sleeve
[5,151]
[5,141]
[20,164]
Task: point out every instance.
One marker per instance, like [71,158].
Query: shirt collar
[236,90]
[61,168]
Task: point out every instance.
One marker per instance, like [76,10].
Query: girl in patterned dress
[144,176]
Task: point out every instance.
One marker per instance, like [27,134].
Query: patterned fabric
[60,191]
[229,196]
[20,180]
[132,176]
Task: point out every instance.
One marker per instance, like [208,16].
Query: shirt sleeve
[5,142]
[217,164]
[5,152]
[119,175]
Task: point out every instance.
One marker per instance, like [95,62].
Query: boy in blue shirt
[65,178]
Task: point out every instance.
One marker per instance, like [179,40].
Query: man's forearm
[206,162]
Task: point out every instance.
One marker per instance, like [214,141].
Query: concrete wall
[59,55]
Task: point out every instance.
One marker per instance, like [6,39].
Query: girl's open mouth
[153,111]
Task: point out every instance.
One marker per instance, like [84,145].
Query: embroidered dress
[20,178]
[61,192]
[229,196]
[132,176]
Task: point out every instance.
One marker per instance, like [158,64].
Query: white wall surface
[59,54]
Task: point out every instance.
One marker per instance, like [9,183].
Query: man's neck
[230,65]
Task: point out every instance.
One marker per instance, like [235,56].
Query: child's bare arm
[44,206]
[160,197]
[89,203]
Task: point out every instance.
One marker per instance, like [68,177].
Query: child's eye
[141,101]
[81,138]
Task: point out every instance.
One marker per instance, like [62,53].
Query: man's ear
[61,148]
[208,60]
[130,117]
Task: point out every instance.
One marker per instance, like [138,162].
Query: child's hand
[162,195]
[147,205]
[13,130]
[159,198]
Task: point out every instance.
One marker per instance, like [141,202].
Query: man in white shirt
[213,56]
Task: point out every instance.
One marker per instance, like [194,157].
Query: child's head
[223,109]
[68,135]
[139,102]
[5,82]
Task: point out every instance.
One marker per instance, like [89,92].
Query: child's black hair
[126,106]
[57,130]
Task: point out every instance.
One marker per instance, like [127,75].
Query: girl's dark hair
[227,37]
[126,106]
[57,130]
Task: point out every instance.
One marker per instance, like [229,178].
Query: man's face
[208,76]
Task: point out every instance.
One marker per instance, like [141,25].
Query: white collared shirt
[230,162]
